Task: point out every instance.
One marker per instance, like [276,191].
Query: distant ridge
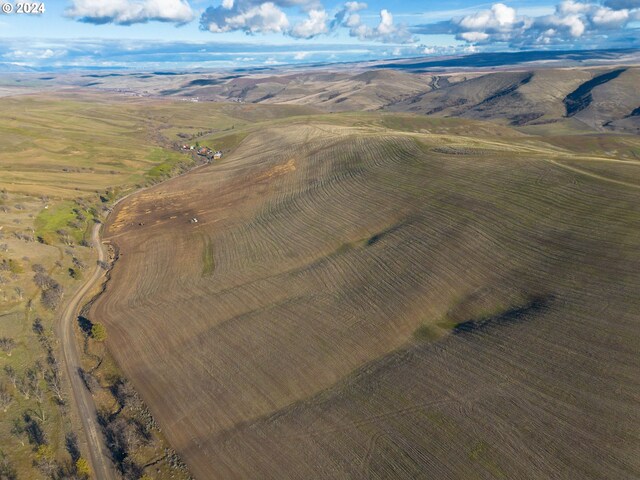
[498,59]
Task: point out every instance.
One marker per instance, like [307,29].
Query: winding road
[102,467]
[99,458]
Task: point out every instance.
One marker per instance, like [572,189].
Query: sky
[142,34]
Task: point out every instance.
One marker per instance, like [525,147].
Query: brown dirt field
[304,327]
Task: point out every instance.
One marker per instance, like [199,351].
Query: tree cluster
[52,291]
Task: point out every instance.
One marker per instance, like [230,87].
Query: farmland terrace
[387,296]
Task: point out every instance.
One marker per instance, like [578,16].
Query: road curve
[101,465]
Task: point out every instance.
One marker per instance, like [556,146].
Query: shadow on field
[536,304]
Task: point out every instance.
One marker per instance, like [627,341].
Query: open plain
[387,296]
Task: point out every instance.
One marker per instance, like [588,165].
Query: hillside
[598,98]
[388,296]
[589,91]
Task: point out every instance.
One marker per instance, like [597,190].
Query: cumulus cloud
[35,54]
[570,21]
[606,17]
[348,15]
[473,37]
[263,18]
[127,12]
[386,31]
[313,26]
[499,17]
[256,16]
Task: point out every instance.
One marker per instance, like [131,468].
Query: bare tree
[89,380]
[51,297]
[43,281]
[79,263]
[38,268]
[52,377]
[7,470]
[23,387]
[11,374]
[39,368]
[7,345]
[27,384]
[40,412]
[103,265]
[19,292]
[6,398]
[65,237]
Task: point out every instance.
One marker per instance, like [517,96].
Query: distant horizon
[137,34]
[352,57]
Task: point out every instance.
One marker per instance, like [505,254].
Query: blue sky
[223,33]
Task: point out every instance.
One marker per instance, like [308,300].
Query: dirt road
[83,401]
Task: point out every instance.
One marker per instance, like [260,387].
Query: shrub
[82,468]
[99,332]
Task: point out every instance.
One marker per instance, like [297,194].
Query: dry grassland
[365,297]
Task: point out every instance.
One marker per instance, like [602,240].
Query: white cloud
[39,54]
[386,31]
[474,37]
[569,7]
[301,55]
[347,16]
[256,16]
[570,21]
[263,18]
[127,12]
[499,17]
[608,18]
[313,26]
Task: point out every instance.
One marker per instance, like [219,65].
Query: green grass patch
[447,324]
[426,333]
[63,216]
[224,141]
[15,266]
[166,162]
[55,218]
[208,262]
[344,248]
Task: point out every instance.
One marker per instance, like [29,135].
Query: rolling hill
[388,296]
[595,97]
